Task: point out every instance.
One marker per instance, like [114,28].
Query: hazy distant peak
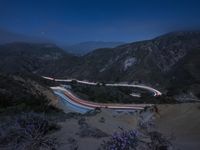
[88,46]
[9,37]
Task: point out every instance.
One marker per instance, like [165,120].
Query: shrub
[121,141]
[28,132]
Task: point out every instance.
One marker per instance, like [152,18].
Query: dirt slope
[183,122]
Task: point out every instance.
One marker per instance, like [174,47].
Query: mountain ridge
[159,62]
[7,36]
[88,46]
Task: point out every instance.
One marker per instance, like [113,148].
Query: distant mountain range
[77,49]
[9,37]
[86,47]
[169,61]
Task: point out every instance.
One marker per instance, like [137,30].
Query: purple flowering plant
[122,141]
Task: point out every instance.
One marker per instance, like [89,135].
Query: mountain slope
[168,61]
[24,92]
[146,61]
[27,57]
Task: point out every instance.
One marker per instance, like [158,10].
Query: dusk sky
[71,21]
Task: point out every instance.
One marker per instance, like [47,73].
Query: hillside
[25,92]
[169,62]
[29,57]
[148,61]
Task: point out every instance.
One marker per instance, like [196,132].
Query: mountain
[170,61]
[9,37]
[86,47]
[148,61]
[29,57]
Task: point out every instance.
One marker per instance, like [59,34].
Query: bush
[28,132]
[135,139]
[121,141]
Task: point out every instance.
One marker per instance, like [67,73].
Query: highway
[82,106]
[156,92]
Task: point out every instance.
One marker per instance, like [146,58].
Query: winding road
[82,106]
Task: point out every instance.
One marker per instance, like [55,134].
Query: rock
[73,144]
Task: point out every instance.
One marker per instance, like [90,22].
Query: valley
[99,75]
[168,63]
[101,95]
[137,87]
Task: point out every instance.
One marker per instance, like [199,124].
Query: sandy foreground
[181,122]
[69,136]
